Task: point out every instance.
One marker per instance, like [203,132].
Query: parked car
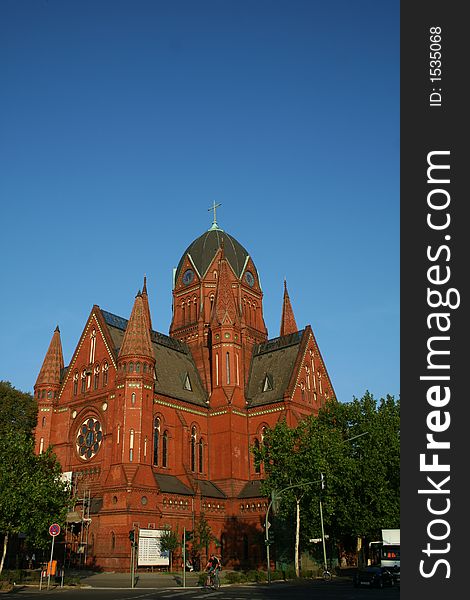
[375,577]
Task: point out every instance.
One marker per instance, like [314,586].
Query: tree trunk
[297,538]
[4,553]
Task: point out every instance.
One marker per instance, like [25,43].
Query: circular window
[188,276]
[89,438]
[249,278]
[144,500]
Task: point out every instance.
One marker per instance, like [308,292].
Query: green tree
[32,494]
[169,542]
[202,537]
[356,448]
[18,410]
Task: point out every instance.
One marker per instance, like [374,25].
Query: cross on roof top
[214,208]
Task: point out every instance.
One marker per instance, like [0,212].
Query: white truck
[386,552]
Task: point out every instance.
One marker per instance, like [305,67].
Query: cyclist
[212,569]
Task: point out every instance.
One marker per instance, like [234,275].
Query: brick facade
[156,430]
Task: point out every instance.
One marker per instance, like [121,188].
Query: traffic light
[269,535]
[132,536]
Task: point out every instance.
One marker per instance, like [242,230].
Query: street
[339,589]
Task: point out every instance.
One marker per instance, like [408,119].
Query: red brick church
[156,429]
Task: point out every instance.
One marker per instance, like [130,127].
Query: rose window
[89,438]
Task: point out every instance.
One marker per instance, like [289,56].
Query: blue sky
[122,121]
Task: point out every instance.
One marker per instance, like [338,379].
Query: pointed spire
[288,324]
[145,298]
[224,306]
[53,362]
[136,340]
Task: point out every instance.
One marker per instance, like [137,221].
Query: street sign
[54,529]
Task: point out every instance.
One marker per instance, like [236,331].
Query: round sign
[54,529]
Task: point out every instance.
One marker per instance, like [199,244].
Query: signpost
[54,531]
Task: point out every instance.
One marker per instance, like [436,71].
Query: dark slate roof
[252,490]
[173,363]
[172,485]
[276,360]
[210,490]
[205,247]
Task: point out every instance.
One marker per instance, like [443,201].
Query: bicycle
[213,580]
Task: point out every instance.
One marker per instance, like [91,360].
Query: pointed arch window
[105,374]
[156,440]
[200,448]
[133,398]
[193,448]
[75,383]
[131,445]
[165,449]
[96,378]
[83,384]
[257,462]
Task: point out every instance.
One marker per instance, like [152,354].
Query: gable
[311,383]
[93,354]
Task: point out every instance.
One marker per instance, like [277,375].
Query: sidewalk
[143,580]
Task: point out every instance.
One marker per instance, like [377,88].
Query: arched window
[137,367]
[44,421]
[75,383]
[156,440]
[83,386]
[257,462]
[131,445]
[193,448]
[105,374]
[165,449]
[133,398]
[245,547]
[113,540]
[201,455]
[227,366]
[96,379]
[131,367]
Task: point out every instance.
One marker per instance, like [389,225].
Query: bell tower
[217,292]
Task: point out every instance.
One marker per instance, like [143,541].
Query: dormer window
[268,383]
[187,383]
